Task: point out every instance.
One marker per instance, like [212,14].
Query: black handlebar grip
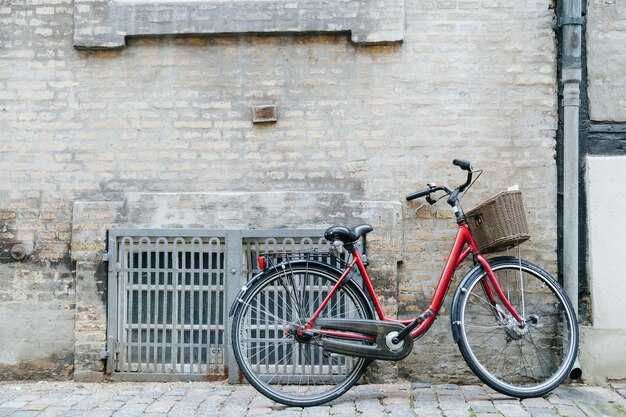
[418,194]
[463,164]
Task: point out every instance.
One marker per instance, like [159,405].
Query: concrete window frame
[107,23]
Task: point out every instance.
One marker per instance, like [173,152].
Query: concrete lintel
[106,24]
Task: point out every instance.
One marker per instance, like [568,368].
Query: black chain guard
[376,351]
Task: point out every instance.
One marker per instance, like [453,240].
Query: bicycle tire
[518,361]
[283,368]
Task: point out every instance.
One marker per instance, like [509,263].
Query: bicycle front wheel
[288,368]
[519,360]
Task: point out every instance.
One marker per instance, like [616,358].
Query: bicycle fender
[242,291]
[270,270]
[461,292]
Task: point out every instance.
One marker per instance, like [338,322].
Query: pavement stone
[216,399]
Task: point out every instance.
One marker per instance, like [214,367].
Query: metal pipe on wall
[570,20]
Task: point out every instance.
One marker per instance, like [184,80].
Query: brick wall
[472,79]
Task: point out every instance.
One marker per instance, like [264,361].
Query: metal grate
[169,292]
[170,305]
[278,247]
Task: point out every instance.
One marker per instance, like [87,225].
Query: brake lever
[429,199]
[419,208]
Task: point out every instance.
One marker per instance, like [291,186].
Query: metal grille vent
[278,247]
[171,305]
[169,293]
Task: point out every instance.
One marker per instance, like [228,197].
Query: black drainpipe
[570,28]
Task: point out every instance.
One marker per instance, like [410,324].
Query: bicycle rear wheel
[522,361]
[283,366]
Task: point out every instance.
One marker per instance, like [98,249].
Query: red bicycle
[304,329]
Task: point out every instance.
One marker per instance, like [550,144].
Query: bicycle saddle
[346,235]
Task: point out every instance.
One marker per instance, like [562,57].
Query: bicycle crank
[382,334]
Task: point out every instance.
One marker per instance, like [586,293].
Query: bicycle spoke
[541,357]
[279,319]
[270,352]
[485,327]
[291,294]
[522,359]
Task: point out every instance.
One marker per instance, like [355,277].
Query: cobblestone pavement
[124,399]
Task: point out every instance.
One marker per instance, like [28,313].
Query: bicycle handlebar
[463,164]
[454,195]
[418,194]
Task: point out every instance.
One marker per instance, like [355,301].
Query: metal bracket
[13,251]
[362,248]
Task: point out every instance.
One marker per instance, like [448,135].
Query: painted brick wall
[603,341]
[472,79]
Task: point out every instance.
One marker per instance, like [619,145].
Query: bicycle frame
[463,245]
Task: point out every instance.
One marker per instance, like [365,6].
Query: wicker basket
[499,223]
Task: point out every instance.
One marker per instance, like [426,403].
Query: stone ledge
[602,353]
[106,24]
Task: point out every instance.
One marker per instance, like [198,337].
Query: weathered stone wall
[606,60]
[37,330]
[472,79]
